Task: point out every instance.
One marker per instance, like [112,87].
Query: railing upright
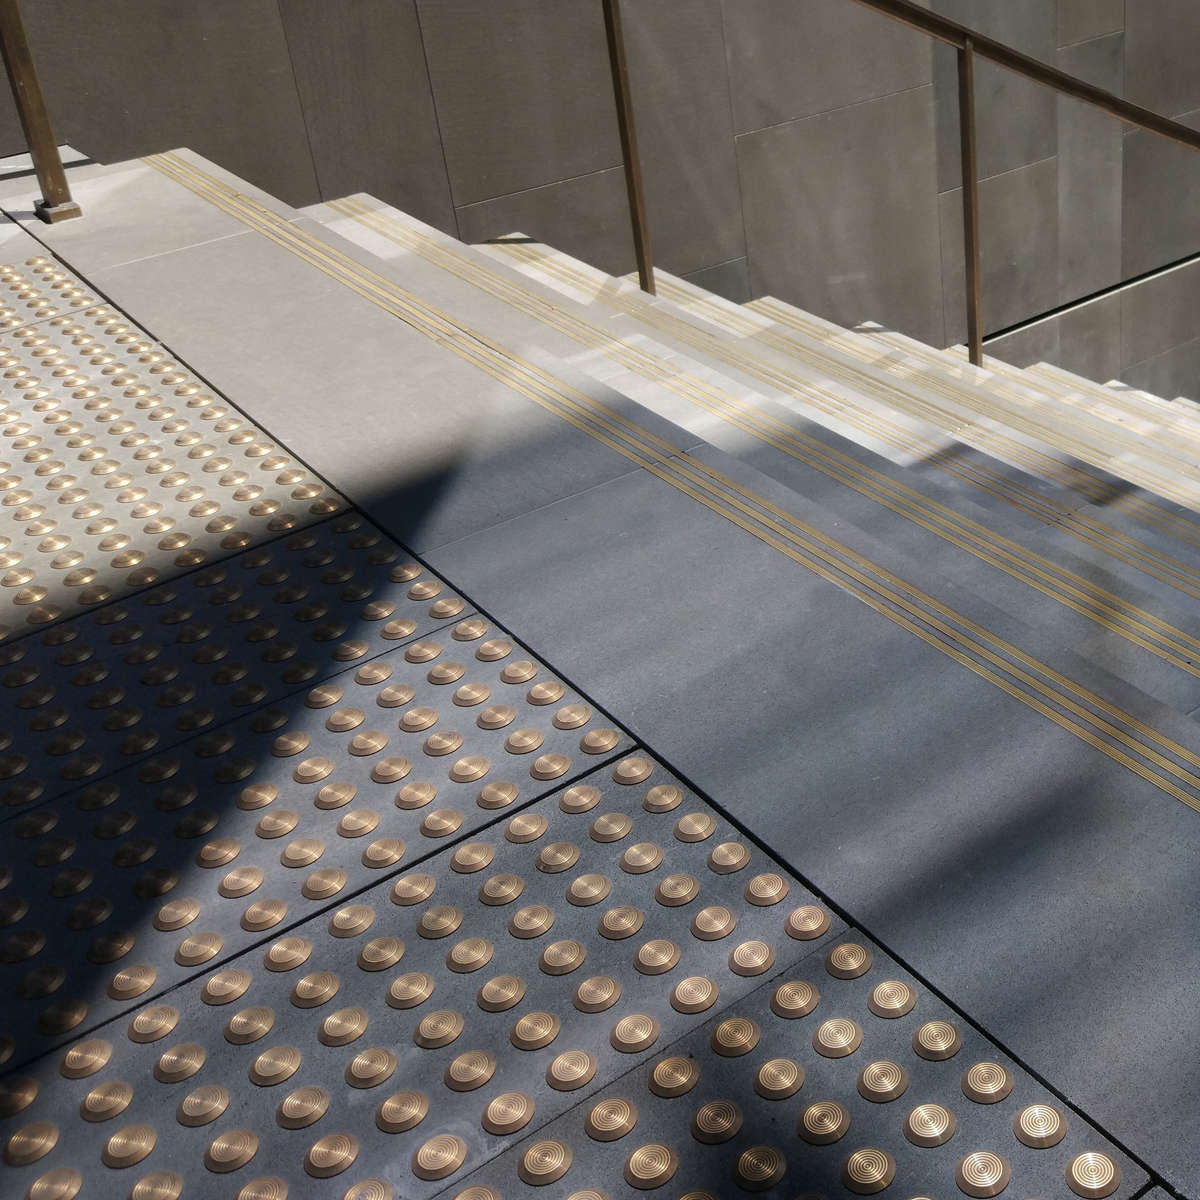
[629,149]
[56,203]
[970,198]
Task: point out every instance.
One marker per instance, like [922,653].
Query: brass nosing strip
[1095,533]
[1073,591]
[1114,732]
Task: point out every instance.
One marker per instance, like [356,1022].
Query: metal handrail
[968,43]
[56,203]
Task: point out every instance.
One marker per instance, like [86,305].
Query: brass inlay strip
[1032,682]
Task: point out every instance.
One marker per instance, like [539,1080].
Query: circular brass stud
[734,1037]
[610,827]
[469,1070]
[523,741]
[342,1027]
[287,954]
[868,1170]
[571,1070]
[716,1122]
[634,1033]
[175,914]
[402,1112]
[596,994]
[438,1029]
[471,857]
[274,1065]
[507,1113]
[641,858]
[765,890]
[673,1077]
[573,716]
[713,923]
[335,795]
[500,994]
[534,1030]
[619,923]
[531,921]
[1039,1126]
[892,998]
[562,957]
[17,1094]
[249,1025]
[610,1119]
[30,1143]
[163,1185]
[439,921]
[650,1167]
[986,1083]
[241,881]
[806,923]
[128,1146]
[263,914]
[586,890]
[407,991]
[696,994]
[412,889]
[982,1174]
[302,1108]
[153,1023]
[351,920]
[728,857]
[133,981]
[105,1101]
[496,795]
[322,884]
[556,857]
[937,1040]
[331,1155]
[676,890]
[545,1162]
[525,827]
[837,1037]
[391,770]
[202,1105]
[848,960]
[549,766]
[751,958]
[663,797]
[759,1168]
[779,1078]
[795,998]
[469,955]
[929,1125]
[500,889]
[882,1081]
[59,1183]
[313,770]
[370,1067]
[656,957]
[695,827]
[179,1062]
[496,716]
[439,1157]
[1093,1175]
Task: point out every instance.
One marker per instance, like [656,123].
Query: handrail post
[629,149]
[56,203]
[970,191]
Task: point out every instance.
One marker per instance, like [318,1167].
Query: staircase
[473,729]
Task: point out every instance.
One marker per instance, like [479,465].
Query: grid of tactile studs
[839,1078]
[420,1029]
[107,688]
[118,467]
[132,884]
[39,289]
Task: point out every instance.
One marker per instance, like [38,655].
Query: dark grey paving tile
[522,91]
[1090,173]
[216,77]
[851,252]
[1159,313]
[586,217]
[603,833]
[1079,20]
[889,774]
[788,61]
[364,87]
[1159,69]
[1175,372]
[1018,218]
[276,817]
[676,53]
[1161,181]
[1015,117]
[727,1111]
[728,279]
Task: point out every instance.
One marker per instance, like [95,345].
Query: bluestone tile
[1079,20]
[728,279]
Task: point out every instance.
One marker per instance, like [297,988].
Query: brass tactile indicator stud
[1093,1175]
[882,1081]
[634,1033]
[837,1037]
[507,1113]
[717,1121]
[610,1119]
[982,1174]
[892,998]
[823,1122]
[545,1162]
[868,1170]
[779,1078]
[986,1083]
[1040,1126]
[650,1166]
[734,1036]
[439,1157]
[402,1112]
[760,1168]
[937,1040]
[571,1070]
[795,998]
[673,1076]
[929,1125]
[848,961]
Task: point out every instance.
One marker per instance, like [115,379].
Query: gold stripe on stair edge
[1073,591]
[887,594]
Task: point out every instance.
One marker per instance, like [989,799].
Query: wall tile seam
[437,118]
[537,187]
[737,169]
[300,105]
[1092,37]
[836,109]
[1037,162]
